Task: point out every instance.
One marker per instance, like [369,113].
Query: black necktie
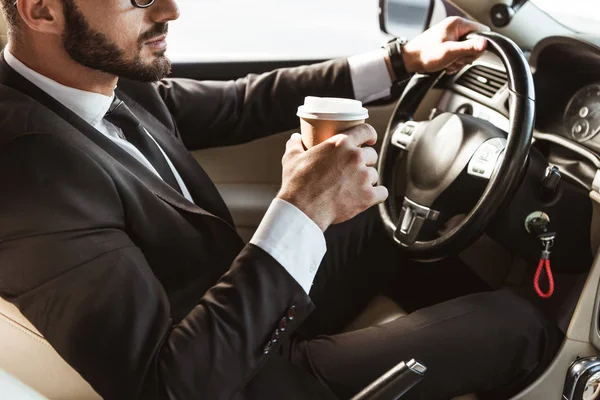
[121,116]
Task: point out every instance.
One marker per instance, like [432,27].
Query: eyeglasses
[142,3]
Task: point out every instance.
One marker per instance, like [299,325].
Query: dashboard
[567,79]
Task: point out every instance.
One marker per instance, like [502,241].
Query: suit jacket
[145,294]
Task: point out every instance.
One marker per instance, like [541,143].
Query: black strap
[394,48]
[121,116]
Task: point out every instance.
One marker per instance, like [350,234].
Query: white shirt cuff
[293,239]
[370,77]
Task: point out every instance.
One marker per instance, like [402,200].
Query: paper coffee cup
[324,117]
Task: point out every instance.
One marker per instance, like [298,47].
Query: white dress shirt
[286,233]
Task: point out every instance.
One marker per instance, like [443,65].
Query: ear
[44,16]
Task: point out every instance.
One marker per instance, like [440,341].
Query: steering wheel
[450,150]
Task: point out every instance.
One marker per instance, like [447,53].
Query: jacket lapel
[201,187]
[11,78]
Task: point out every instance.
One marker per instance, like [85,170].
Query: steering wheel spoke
[410,223]
[404,134]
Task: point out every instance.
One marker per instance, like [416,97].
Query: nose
[164,11]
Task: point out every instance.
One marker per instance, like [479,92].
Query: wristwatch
[394,50]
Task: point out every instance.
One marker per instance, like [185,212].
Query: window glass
[261,30]
[579,15]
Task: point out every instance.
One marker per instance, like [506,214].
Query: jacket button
[267,348]
[291,314]
[283,324]
[275,337]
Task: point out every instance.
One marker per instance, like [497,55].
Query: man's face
[117,38]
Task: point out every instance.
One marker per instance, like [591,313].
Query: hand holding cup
[335,179]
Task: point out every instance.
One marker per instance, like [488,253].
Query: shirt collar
[90,106]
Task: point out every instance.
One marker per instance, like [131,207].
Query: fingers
[293,147]
[379,194]
[363,134]
[369,156]
[372,176]
[472,48]
[294,144]
[440,46]
[459,27]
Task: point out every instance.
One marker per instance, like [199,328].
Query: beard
[95,50]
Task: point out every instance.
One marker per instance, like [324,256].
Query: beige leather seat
[27,356]
[380,310]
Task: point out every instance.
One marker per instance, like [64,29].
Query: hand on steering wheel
[440,47]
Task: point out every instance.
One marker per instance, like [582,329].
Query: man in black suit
[118,248]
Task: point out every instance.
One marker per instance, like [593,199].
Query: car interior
[520,126]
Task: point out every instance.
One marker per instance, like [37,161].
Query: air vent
[483,80]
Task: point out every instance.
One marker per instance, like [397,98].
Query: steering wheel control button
[407,130]
[412,218]
[291,314]
[486,157]
[404,134]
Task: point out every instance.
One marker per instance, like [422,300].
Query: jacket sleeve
[68,264]
[210,114]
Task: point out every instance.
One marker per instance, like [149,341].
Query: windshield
[579,15]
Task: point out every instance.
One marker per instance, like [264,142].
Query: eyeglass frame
[135,4]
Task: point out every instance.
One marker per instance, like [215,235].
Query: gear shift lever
[583,379]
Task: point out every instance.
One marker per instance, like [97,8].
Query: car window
[262,30]
[579,15]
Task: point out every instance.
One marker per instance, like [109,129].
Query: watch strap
[394,49]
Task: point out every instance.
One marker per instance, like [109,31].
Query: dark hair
[11,13]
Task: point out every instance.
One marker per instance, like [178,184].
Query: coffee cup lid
[332,109]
